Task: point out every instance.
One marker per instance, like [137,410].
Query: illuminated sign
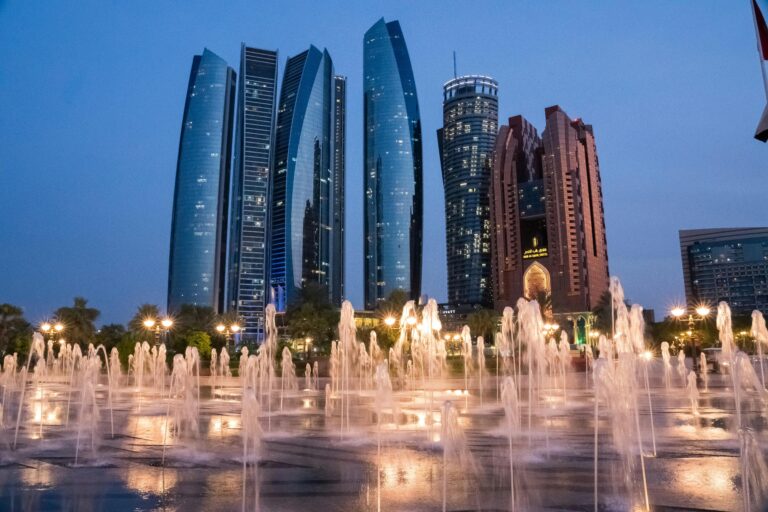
[537,252]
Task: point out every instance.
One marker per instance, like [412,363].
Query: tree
[393,304]
[78,321]
[483,322]
[194,318]
[603,311]
[110,335]
[544,299]
[143,312]
[199,339]
[310,314]
[12,327]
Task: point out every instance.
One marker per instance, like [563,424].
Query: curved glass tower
[466,141]
[198,230]
[393,166]
[304,188]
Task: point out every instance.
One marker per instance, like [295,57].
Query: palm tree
[483,322]
[79,321]
[12,326]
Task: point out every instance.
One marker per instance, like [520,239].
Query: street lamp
[51,330]
[549,329]
[702,312]
[228,331]
[389,321]
[163,326]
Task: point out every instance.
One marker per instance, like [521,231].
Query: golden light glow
[59,327]
[647,355]
[235,327]
[677,311]
[702,310]
[389,321]
[167,323]
[45,327]
[411,320]
[220,327]
[149,323]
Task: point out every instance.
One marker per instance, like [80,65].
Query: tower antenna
[454,64]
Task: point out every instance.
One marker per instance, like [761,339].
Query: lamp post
[702,312]
[163,326]
[228,330]
[49,331]
[550,329]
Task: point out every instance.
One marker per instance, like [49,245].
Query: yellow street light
[389,321]
[677,311]
[149,323]
[167,323]
[45,327]
[411,320]
[235,327]
[220,327]
[702,311]
[59,327]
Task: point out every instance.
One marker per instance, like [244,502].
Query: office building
[249,224]
[466,143]
[393,166]
[728,264]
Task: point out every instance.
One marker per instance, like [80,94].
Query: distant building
[548,229]
[196,272]
[393,166]
[729,264]
[306,228]
[249,225]
[466,142]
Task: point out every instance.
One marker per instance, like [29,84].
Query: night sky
[92,93]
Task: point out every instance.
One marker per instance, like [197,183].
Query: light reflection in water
[153,429]
[224,426]
[41,476]
[150,480]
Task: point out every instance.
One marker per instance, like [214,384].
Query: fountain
[375,427]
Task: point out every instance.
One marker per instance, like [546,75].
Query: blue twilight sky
[92,92]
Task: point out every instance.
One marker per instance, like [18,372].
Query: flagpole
[753,5]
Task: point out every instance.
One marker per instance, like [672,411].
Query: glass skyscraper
[466,142]
[339,163]
[248,266]
[197,263]
[393,166]
[305,221]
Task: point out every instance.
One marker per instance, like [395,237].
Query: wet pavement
[308,463]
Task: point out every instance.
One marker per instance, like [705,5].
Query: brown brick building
[547,215]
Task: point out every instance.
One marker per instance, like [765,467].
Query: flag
[762,129]
[761,10]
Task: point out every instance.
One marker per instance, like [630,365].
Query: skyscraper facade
[196,273]
[249,224]
[728,264]
[339,173]
[304,184]
[548,237]
[393,166]
[466,142]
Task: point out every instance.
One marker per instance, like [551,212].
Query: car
[714,357]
